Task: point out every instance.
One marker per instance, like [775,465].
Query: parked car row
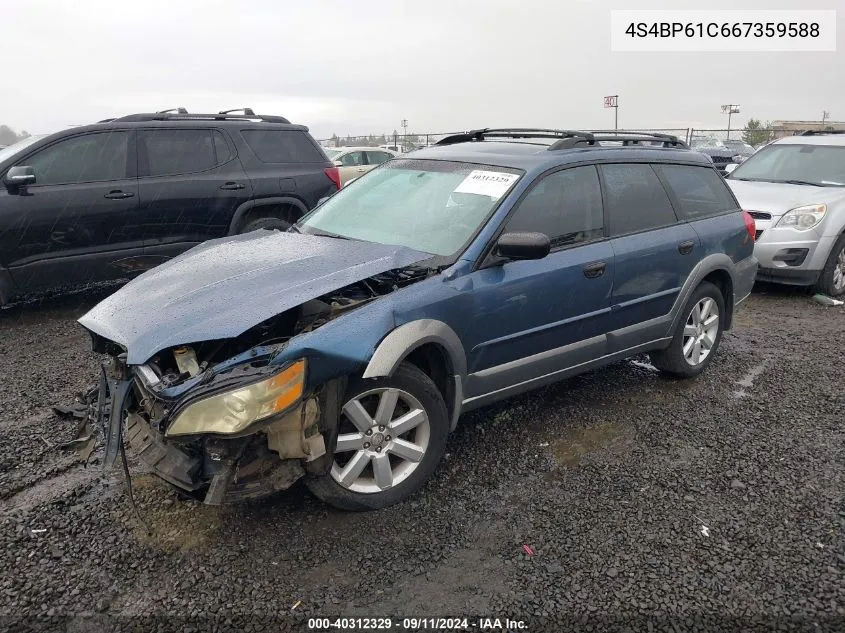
[342,347]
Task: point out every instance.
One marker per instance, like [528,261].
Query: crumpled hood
[777,198]
[223,287]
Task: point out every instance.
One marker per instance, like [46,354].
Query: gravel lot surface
[648,503]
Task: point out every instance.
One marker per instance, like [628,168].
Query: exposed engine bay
[266,455]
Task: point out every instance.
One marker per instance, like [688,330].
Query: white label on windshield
[487,183]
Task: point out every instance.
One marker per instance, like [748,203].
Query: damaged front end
[234,419]
[223,437]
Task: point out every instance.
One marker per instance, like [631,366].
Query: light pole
[405,136]
[825,116]
[729,109]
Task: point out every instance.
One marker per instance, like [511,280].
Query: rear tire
[391,438]
[272,224]
[697,336]
[832,280]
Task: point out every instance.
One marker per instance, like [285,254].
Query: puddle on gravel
[580,443]
[747,381]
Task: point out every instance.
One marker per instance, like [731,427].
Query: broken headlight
[233,411]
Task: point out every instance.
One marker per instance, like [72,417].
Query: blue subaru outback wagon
[344,350]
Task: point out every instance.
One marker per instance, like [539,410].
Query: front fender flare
[406,338]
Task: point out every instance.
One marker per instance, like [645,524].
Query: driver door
[533,318]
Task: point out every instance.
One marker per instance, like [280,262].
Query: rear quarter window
[282,146]
[699,191]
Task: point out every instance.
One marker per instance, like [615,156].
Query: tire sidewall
[706,289]
[825,284]
[408,378]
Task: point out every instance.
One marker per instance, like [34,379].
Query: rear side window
[352,159]
[178,151]
[565,205]
[87,158]
[635,199]
[282,146]
[377,158]
[700,191]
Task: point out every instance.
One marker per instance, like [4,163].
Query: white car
[354,162]
[794,188]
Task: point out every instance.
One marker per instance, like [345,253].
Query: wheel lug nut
[369,431]
[387,437]
[366,445]
[378,449]
[381,428]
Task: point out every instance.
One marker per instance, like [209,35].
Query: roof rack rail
[184,116]
[820,132]
[588,139]
[511,132]
[179,110]
[106,120]
[246,111]
[566,139]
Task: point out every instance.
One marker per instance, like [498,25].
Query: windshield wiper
[801,182]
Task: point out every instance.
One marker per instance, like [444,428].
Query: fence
[408,142]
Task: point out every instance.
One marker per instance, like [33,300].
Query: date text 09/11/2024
[417,624]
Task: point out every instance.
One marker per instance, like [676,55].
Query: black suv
[107,201]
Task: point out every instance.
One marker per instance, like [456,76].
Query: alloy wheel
[700,331]
[383,437]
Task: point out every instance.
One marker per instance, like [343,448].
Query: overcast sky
[360,66]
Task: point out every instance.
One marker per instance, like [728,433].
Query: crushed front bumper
[216,469]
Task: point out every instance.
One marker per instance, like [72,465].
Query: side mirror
[523,245]
[338,163]
[730,167]
[20,176]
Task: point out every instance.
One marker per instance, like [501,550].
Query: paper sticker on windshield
[487,183]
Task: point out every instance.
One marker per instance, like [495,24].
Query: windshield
[16,147]
[822,165]
[430,206]
[706,143]
[331,153]
[740,146]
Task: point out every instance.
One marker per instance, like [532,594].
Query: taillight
[750,225]
[334,175]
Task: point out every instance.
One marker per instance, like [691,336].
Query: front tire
[832,280]
[391,437]
[697,336]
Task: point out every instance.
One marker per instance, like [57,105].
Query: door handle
[116,194]
[685,248]
[232,186]
[596,269]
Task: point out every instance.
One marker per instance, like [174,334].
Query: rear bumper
[790,276]
[745,272]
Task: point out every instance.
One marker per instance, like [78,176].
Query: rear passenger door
[190,184]
[532,318]
[703,199]
[352,165]
[654,253]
